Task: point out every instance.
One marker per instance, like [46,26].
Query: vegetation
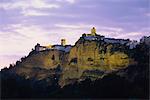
[90,70]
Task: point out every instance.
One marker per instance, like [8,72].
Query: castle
[91,37]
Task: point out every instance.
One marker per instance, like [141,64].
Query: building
[132,44]
[65,48]
[92,34]
[63,42]
[49,46]
[93,37]
[38,47]
[119,41]
[62,47]
[146,40]
[93,31]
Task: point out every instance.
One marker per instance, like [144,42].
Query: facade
[92,36]
[132,44]
[63,42]
[65,48]
[49,46]
[146,40]
[93,32]
[38,47]
[62,47]
[120,41]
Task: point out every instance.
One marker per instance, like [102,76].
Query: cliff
[84,57]
[95,55]
[92,68]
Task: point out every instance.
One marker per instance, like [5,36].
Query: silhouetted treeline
[111,86]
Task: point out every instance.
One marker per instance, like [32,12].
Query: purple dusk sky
[23,23]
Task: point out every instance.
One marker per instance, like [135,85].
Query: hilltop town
[103,63]
[93,36]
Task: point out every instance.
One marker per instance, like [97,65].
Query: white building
[62,47]
[38,47]
[132,44]
[65,48]
[145,39]
[112,40]
[90,38]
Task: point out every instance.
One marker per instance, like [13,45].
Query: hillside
[87,59]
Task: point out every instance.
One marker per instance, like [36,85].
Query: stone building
[63,42]
[146,40]
[93,31]
[62,47]
[38,47]
[92,34]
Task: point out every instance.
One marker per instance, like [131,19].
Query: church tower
[63,42]
[93,31]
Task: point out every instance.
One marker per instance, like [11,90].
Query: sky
[24,23]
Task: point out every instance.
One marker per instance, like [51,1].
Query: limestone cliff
[85,55]
[44,60]
[94,55]
[92,68]
[97,55]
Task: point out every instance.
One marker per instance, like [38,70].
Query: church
[93,36]
[63,45]
[93,32]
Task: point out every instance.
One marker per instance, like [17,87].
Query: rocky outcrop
[94,55]
[97,55]
[45,59]
[92,68]
[85,55]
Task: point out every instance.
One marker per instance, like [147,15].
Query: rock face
[38,64]
[46,59]
[84,56]
[92,68]
[94,55]
[97,55]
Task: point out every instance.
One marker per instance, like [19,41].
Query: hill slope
[51,72]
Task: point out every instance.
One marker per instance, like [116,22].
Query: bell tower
[63,42]
[93,31]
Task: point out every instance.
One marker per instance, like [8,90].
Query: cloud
[25,4]
[131,35]
[69,26]
[30,33]
[89,26]
[25,22]
[37,4]
[111,29]
[69,1]
[30,12]
[147,14]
